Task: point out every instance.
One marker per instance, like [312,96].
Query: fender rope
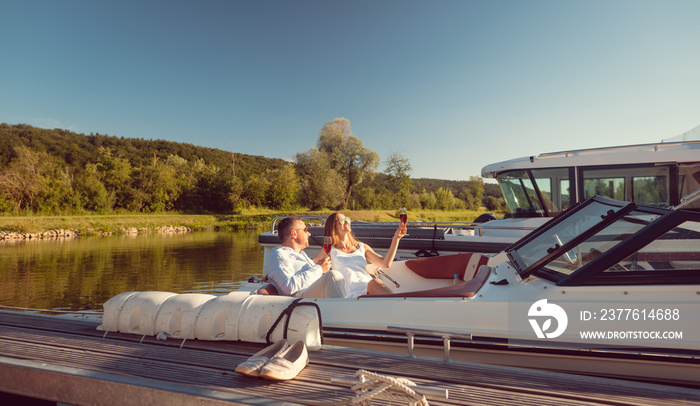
[288,312]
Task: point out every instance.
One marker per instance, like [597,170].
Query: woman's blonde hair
[330,230]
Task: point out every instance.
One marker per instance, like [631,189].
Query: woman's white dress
[353,266]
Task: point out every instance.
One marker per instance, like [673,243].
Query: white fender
[219,318]
[112,309]
[236,316]
[135,312]
[178,314]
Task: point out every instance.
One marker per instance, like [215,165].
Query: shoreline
[71,226]
[72,233]
[50,227]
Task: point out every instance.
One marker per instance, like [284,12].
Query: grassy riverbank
[96,224]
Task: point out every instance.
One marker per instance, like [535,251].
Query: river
[80,274]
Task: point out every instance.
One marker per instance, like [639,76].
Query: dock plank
[204,370]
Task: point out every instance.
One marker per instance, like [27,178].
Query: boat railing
[455,227]
[280,218]
[411,334]
[478,228]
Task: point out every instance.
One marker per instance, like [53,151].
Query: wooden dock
[66,360]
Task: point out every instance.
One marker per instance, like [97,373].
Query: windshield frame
[526,256]
[623,232]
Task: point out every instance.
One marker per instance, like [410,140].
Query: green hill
[60,171]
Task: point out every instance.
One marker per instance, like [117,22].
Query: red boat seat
[446,266]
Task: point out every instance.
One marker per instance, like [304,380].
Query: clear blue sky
[452,85]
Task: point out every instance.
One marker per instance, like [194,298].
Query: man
[293,273]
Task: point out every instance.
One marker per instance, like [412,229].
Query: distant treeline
[59,171]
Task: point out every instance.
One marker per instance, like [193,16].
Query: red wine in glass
[327,244]
[403,215]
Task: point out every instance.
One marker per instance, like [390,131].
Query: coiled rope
[373,385]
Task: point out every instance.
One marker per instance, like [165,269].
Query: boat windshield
[601,242]
[667,247]
[543,243]
[537,192]
[672,258]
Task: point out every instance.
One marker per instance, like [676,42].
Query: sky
[451,85]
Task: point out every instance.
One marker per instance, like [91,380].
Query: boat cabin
[547,184]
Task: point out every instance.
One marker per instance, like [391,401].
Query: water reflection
[81,274]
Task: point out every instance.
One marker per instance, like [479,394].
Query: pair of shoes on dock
[279,361]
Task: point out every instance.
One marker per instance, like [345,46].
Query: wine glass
[327,244]
[403,215]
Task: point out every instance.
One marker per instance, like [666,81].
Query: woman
[349,257]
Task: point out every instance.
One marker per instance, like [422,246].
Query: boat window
[521,196]
[519,193]
[556,236]
[678,249]
[651,190]
[613,188]
[565,193]
[642,184]
[551,197]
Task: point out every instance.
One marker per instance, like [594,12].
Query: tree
[413,202]
[59,193]
[214,188]
[347,154]
[255,190]
[465,194]
[476,187]
[203,187]
[115,175]
[399,168]
[427,200]
[494,203]
[94,193]
[445,199]
[321,185]
[284,187]
[25,178]
[156,187]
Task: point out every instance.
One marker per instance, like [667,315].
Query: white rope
[119,311]
[155,316]
[196,317]
[373,385]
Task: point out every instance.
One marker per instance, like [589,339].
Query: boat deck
[66,360]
